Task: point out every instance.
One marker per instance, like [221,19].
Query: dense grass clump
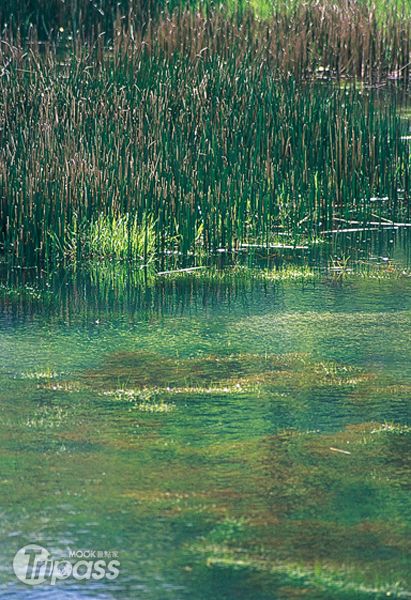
[113,236]
[197,133]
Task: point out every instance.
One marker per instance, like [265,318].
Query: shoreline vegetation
[194,129]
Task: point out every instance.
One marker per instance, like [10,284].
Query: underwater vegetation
[297,506]
[238,451]
[153,382]
[309,476]
[149,370]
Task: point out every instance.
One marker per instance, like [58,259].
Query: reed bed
[200,131]
[91,17]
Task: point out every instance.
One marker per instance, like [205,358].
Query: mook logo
[34,565]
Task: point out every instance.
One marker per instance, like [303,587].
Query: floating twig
[278,246]
[339,450]
[187,270]
[355,229]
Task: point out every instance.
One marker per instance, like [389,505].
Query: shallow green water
[196,429]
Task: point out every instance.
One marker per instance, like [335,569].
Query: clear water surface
[234,440]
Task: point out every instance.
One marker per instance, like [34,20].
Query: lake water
[232,440]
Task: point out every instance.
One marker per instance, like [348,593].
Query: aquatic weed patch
[296,506]
[300,527]
[145,371]
[142,400]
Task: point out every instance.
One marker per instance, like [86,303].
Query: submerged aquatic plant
[47,374]
[144,400]
[304,533]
